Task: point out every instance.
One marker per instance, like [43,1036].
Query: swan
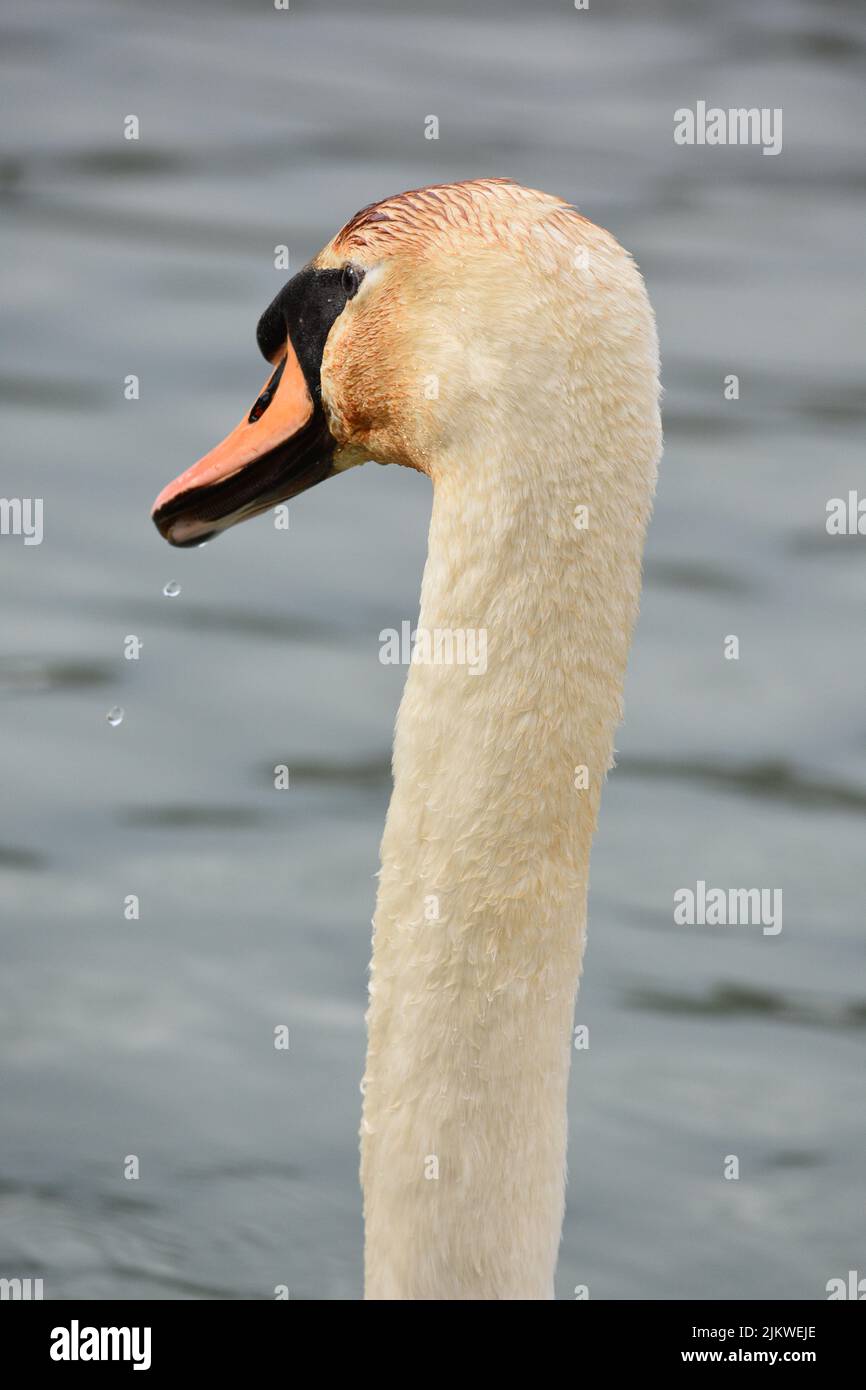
[488,335]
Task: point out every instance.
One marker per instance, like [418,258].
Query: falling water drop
[172,589]
[115,716]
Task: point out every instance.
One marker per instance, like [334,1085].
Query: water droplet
[115,716]
[172,589]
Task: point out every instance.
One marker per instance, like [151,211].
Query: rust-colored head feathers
[485,208]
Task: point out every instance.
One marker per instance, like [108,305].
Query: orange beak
[281,448]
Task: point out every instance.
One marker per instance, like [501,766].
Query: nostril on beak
[267,395]
[260,407]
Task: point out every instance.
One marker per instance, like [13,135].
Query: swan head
[433,323]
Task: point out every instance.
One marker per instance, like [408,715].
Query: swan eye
[350,280]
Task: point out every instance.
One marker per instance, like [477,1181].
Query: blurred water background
[155,1037]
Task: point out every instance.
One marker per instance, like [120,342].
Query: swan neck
[480,920]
